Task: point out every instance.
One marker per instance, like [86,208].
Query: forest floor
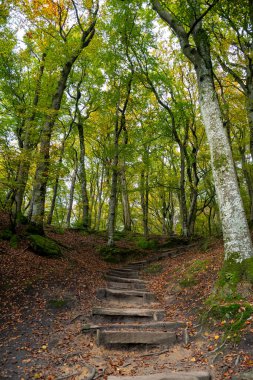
[46,302]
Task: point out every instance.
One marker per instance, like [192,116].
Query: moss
[110,254]
[14,241]
[248,269]
[59,230]
[58,303]
[146,244]
[6,235]
[117,255]
[153,268]
[232,316]
[34,229]
[188,282]
[233,273]
[45,246]
[220,161]
[190,276]
[22,219]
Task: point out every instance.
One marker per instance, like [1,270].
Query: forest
[128,119]
[129,116]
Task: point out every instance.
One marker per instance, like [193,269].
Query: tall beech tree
[195,45]
[84,30]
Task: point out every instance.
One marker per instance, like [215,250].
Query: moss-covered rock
[45,246]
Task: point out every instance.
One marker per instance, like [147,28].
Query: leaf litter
[45,303]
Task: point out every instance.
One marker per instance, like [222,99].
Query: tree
[83,35]
[195,45]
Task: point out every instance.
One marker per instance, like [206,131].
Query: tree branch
[200,18]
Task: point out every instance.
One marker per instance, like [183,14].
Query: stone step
[192,375]
[123,279]
[124,269]
[127,296]
[123,273]
[128,314]
[126,285]
[136,265]
[109,337]
[164,326]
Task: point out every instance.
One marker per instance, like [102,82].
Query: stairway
[130,315]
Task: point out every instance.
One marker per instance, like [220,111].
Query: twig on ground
[186,336]
[237,360]
[92,371]
[218,348]
[25,249]
[215,357]
[100,374]
[77,317]
[154,353]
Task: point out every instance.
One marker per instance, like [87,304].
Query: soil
[46,302]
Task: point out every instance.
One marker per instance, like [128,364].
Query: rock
[127,296]
[45,246]
[136,337]
[129,314]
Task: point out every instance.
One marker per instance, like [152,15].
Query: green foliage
[6,235]
[188,282]
[110,254]
[45,246]
[231,316]
[57,303]
[118,255]
[154,268]
[232,274]
[175,241]
[14,241]
[190,276]
[146,244]
[33,229]
[59,230]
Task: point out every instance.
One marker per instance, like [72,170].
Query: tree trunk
[56,184]
[144,202]
[83,180]
[120,125]
[27,147]
[114,183]
[182,197]
[125,201]
[42,169]
[124,190]
[236,235]
[100,201]
[71,194]
[41,176]
[193,180]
